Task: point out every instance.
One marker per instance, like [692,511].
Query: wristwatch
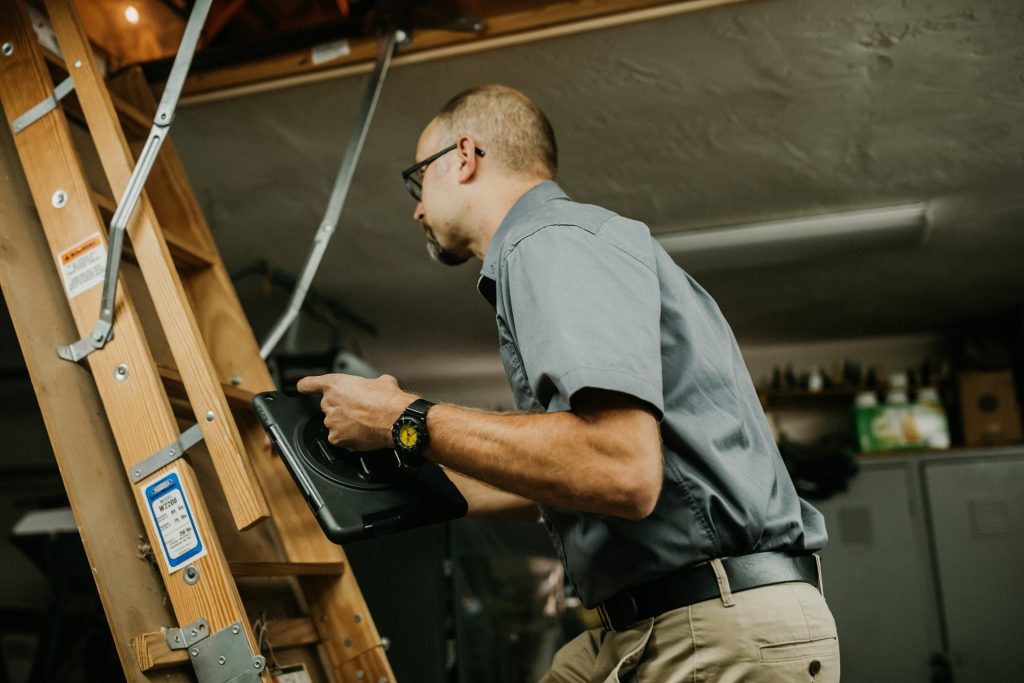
[409,433]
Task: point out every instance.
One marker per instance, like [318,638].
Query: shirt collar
[533,198]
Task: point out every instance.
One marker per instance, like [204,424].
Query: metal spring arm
[338,194]
[104,330]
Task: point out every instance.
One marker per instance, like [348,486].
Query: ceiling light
[131,14]
[797,239]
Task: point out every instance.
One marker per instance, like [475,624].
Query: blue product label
[169,508]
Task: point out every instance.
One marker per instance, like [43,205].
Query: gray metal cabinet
[977,513]
[877,576]
[926,557]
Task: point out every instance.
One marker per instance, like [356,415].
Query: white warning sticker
[180,540]
[84,265]
[328,52]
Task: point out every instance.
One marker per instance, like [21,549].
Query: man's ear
[467,158]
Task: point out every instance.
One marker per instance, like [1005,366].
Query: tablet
[353,495]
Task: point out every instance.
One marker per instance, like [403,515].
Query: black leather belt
[690,585]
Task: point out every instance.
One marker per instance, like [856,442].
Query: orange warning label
[79,249]
[84,265]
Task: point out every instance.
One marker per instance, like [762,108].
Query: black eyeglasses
[411,176]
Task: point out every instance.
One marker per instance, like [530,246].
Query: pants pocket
[800,649]
[630,654]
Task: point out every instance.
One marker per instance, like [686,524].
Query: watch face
[408,435]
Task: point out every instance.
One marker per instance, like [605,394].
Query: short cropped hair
[508,125]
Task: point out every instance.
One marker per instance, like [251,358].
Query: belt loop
[723,582]
[821,581]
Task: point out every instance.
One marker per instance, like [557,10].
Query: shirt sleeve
[586,311]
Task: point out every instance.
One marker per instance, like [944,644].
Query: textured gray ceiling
[739,114]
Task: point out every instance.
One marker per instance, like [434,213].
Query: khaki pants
[783,632]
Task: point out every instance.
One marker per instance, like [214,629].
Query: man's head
[504,145]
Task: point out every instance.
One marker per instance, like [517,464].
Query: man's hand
[358,412]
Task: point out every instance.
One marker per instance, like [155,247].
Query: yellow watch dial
[408,435]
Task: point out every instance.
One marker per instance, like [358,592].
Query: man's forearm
[486,501]
[603,463]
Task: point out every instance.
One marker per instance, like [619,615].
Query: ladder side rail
[234,470]
[334,604]
[231,341]
[103,507]
[137,408]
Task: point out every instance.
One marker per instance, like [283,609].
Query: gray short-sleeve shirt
[585,298]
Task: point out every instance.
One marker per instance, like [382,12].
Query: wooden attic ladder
[182,354]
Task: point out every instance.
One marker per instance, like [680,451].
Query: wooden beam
[136,408]
[152,652]
[186,256]
[227,450]
[239,399]
[514,28]
[85,449]
[287,568]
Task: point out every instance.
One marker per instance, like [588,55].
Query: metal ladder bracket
[78,350]
[37,112]
[342,183]
[165,456]
[221,657]
[97,339]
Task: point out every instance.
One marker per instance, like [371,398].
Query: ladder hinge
[221,657]
[45,107]
[189,438]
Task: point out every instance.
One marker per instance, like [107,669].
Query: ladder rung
[238,399]
[153,653]
[287,568]
[135,122]
[186,256]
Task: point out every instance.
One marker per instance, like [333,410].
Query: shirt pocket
[513,362]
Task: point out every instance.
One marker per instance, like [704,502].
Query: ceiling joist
[502,30]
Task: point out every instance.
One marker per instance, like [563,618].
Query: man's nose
[417,213]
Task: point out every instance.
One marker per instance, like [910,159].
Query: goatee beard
[440,254]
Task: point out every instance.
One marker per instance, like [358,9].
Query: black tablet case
[353,495]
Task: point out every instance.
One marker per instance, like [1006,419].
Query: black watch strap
[419,407]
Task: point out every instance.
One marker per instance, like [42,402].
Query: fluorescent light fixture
[797,239]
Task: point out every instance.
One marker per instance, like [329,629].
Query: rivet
[8,49]
[59,199]
[235,630]
[348,642]
[194,652]
[359,618]
[222,659]
[360,674]
[209,416]
[121,372]
[191,575]
[256,663]
[195,633]
[78,63]
[170,451]
[385,643]
[235,380]
[137,473]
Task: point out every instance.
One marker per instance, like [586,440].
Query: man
[641,438]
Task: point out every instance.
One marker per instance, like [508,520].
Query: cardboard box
[989,409]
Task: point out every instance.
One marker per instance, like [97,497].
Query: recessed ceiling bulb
[131,14]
